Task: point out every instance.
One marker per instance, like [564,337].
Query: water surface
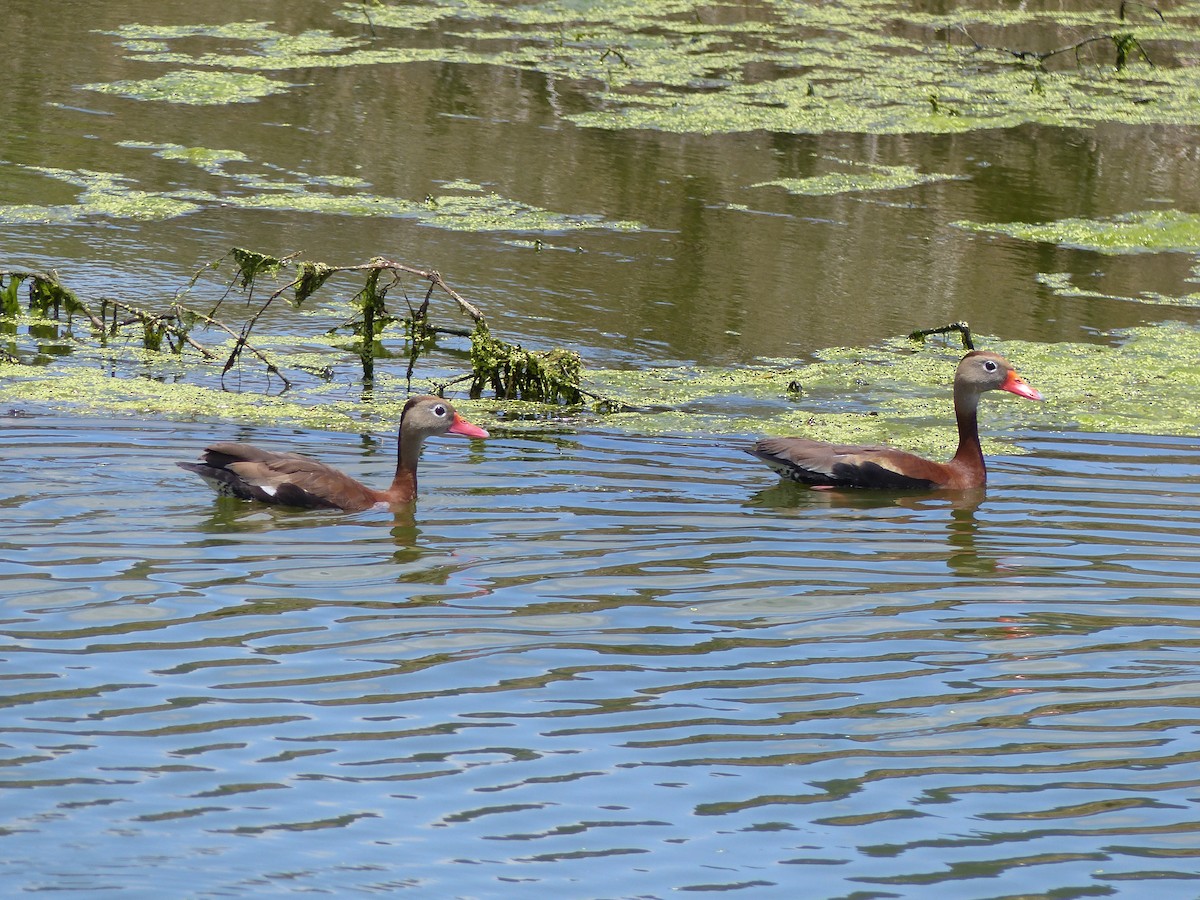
[597,666]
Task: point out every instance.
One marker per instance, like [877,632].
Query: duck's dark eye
[439,410]
[990,365]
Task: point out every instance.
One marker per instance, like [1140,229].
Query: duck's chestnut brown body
[289,479]
[835,465]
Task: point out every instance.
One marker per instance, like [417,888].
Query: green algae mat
[1145,381]
[706,67]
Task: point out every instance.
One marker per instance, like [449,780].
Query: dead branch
[431,275]
[1124,43]
[1128,3]
[507,369]
[45,288]
[240,342]
[962,328]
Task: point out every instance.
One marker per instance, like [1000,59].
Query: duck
[290,479]
[828,466]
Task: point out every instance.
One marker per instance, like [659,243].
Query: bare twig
[962,328]
[1124,44]
[240,342]
[137,316]
[432,275]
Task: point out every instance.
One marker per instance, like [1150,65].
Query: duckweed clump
[877,67]
[1155,231]
[875,178]
[195,88]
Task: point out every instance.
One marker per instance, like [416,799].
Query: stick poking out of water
[961,327]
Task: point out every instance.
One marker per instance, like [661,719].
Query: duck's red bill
[1015,384]
[463,427]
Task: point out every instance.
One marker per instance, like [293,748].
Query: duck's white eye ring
[990,365]
[439,410]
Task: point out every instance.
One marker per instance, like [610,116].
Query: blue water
[596,666]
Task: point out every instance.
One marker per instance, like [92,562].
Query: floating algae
[1157,231]
[872,66]
[195,88]
[1144,381]
[112,196]
[876,178]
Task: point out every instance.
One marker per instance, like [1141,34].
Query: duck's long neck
[969,455]
[408,453]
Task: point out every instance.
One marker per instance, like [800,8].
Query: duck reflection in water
[962,526]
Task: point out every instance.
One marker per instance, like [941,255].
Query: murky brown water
[592,664]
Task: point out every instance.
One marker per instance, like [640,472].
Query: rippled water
[593,665]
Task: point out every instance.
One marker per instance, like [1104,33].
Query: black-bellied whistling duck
[289,479]
[833,465]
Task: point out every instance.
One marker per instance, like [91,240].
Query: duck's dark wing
[846,465]
[286,479]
